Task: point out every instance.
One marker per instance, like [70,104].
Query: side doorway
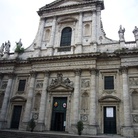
[15,121]
[110,120]
[58,121]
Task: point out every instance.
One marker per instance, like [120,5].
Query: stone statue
[7,47]
[19,43]
[135,32]
[2,49]
[121,33]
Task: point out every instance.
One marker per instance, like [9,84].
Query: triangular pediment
[60,88]
[109,99]
[64,3]
[18,99]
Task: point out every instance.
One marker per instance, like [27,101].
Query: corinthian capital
[93,71]
[78,72]
[124,70]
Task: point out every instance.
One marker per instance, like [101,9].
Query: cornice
[96,55]
[49,8]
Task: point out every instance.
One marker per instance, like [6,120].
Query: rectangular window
[108,82]
[21,86]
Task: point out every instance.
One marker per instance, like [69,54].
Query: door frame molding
[109,101]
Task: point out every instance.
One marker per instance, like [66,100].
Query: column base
[40,127]
[24,126]
[3,124]
[127,131]
[88,129]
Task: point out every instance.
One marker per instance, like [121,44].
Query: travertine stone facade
[71,72]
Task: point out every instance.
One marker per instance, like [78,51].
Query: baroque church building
[71,72]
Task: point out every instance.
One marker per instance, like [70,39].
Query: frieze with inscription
[63,66]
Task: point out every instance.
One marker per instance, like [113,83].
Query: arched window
[66,37]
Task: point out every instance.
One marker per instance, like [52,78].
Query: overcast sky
[20,20]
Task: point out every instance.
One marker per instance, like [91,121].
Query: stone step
[18,134]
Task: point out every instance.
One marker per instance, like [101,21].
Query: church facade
[71,72]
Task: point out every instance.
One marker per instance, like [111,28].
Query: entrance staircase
[24,134]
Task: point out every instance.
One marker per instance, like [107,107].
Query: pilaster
[79,43]
[42,110]
[27,113]
[92,114]
[94,32]
[76,96]
[3,114]
[52,38]
[127,129]
[38,44]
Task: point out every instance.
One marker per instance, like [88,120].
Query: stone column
[3,114]
[38,44]
[42,110]
[52,38]
[79,41]
[94,32]
[127,128]
[28,107]
[76,97]
[92,115]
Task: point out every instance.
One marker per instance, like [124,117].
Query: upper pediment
[66,3]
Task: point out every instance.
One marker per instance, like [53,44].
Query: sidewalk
[50,134]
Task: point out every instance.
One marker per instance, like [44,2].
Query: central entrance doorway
[58,121]
[110,120]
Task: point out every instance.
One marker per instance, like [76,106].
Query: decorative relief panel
[135,118]
[39,84]
[60,80]
[133,81]
[85,83]
[84,117]
[135,100]
[35,116]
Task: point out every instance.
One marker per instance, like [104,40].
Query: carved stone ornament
[135,118]
[35,116]
[133,81]
[61,83]
[84,117]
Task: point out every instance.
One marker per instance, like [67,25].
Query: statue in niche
[121,33]
[84,101]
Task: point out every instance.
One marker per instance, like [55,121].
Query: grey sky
[20,20]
